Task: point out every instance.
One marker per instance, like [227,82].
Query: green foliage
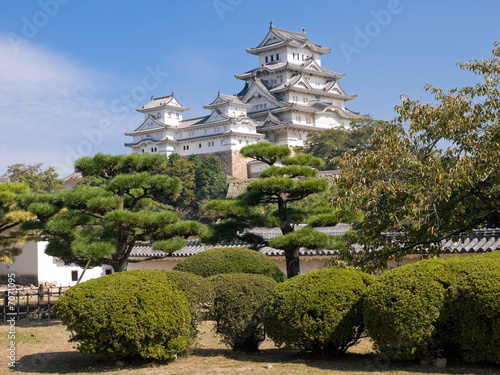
[332,144]
[37,179]
[238,308]
[320,311]
[266,152]
[126,315]
[11,215]
[277,185]
[211,181]
[438,308]
[306,237]
[100,223]
[199,293]
[410,184]
[230,260]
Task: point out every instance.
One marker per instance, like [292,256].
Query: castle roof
[309,66]
[163,102]
[223,100]
[277,37]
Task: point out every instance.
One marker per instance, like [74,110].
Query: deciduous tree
[11,216]
[411,184]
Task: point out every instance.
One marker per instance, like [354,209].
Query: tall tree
[35,177]
[278,186]
[94,225]
[413,186]
[11,216]
[211,181]
[331,145]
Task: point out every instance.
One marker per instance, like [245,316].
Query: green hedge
[230,260]
[128,314]
[438,308]
[199,293]
[320,311]
[238,308]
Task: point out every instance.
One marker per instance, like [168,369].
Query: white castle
[288,96]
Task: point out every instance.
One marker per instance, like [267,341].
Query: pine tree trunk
[119,265]
[285,225]
[292,262]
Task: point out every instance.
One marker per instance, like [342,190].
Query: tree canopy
[330,145]
[268,199]
[36,178]
[412,185]
[94,225]
[11,216]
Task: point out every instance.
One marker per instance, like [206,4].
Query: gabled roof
[259,86]
[150,123]
[163,102]
[225,100]
[277,37]
[309,66]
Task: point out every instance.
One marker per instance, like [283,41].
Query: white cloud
[53,109]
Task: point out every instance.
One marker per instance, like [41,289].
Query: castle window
[158,115]
[295,98]
[275,137]
[305,99]
[74,275]
[308,120]
[278,56]
[294,56]
[152,149]
[169,114]
[177,116]
[297,118]
[142,150]
[272,57]
[199,145]
[240,141]
[267,59]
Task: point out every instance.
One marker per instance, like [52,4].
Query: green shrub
[320,311]
[238,308]
[438,308]
[128,314]
[402,306]
[469,325]
[230,260]
[199,292]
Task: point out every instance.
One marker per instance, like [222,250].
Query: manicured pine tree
[94,225]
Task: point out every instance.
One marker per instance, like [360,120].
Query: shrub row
[438,308]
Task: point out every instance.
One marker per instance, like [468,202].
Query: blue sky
[72,72]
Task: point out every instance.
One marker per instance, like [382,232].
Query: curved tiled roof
[480,241]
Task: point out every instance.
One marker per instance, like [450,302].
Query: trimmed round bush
[320,311]
[128,314]
[230,260]
[238,308]
[438,308]
[402,306]
[469,325]
[199,293]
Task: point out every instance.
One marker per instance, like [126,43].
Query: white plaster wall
[51,270]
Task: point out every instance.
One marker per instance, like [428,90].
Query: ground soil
[42,347]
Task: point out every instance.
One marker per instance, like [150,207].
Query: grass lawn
[43,347]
